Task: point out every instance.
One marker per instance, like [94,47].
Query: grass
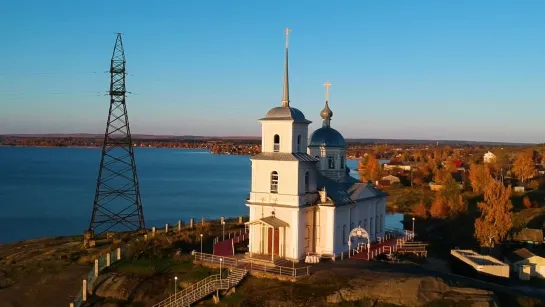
[149,267]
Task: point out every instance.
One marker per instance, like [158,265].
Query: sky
[456,70]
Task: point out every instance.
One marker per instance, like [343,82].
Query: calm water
[50,191]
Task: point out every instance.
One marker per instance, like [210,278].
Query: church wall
[326,231]
[281,127]
[302,130]
[288,182]
[259,240]
[339,156]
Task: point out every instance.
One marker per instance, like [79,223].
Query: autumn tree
[420,210]
[479,176]
[526,202]
[452,197]
[371,168]
[439,208]
[524,166]
[495,220]
[441,175]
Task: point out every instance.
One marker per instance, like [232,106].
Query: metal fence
[253,265]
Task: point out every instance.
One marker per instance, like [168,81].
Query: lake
[50,191]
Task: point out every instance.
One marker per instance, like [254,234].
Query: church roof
[348,192]
[327,136]
[271,221]
[283,156]
[283,113]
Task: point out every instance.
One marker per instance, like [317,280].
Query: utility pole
[117,204]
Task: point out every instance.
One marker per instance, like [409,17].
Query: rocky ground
[48,272]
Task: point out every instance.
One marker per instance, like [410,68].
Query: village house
[526,264]
[489,157]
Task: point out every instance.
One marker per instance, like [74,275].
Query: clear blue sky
[472,70]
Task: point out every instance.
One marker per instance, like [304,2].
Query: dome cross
[327,85]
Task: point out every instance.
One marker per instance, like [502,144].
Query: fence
[193,223]
[100,264]
[252,265]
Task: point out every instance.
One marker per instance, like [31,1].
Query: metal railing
[253,265]
[203,288]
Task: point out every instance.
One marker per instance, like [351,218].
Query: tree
[526,202]
[370,169]
[495,220]
[524,166]
[420,210]
[452,197]
[441,175]
[479,176]
[439,208]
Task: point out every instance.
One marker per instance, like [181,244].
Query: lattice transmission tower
[117,204]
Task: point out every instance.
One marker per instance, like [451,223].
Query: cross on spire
[327,85]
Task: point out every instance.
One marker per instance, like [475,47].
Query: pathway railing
[203,288]
[252,265]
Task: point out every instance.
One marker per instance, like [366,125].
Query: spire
[286,91]
[326,113]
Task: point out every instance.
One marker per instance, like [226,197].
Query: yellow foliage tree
[495,220]
[524,166]
[370,168]
[479,176]
[420,210]
[439,208]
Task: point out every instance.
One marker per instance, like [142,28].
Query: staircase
[203,288]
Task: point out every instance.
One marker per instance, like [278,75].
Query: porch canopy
[273,223]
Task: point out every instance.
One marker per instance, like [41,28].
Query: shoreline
[148,147]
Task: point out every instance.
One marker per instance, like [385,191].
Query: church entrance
[276,241]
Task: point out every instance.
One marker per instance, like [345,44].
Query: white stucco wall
[288,132]
[291,234]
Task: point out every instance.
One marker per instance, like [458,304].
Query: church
[303,200]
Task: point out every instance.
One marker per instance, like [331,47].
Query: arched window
[331,162]
[307,182]
[274,182]
[299,143]
[342,162]
[276,143]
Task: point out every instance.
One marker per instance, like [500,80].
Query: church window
[276,143]
[307,182]
[299,143]
[371,225]
[274,182]
[331,162]
[342,162]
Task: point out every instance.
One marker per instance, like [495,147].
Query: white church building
[302,199]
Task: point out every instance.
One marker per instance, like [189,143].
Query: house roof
[528,234]
[519,254]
